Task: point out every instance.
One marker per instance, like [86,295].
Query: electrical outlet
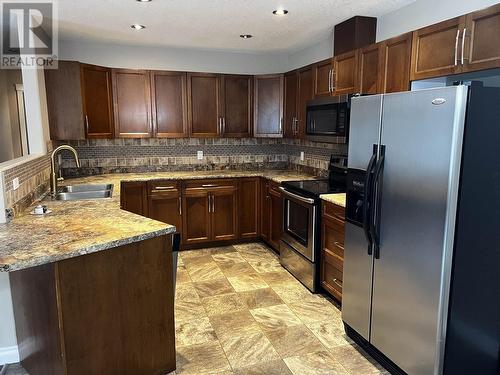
[199,155]
[15,183]
[302,156]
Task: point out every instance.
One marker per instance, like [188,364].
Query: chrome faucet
[53,179]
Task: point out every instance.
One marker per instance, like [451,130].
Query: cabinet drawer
[333,259]
[333,211]
[332,280]
[210,184]
[163,187]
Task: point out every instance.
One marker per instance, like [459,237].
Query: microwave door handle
[366,201]
[375,220]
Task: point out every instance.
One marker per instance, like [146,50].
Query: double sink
[84,191]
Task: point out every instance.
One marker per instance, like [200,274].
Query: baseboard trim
[9,354]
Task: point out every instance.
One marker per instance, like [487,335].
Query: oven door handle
[297,197]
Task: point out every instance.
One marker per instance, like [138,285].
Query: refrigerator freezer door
[422,132]
[366,112]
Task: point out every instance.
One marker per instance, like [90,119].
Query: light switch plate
[15,183]
[199,155]
[302,156]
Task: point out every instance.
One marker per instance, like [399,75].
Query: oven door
[299,221]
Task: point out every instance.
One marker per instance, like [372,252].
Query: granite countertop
[337,198]
[82,227]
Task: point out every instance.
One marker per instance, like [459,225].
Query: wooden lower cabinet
[249,207]
[224,219]
[110,312]
[265,211]
[271,213]
[165,202]
[332,249]
[134,197]
[196,221]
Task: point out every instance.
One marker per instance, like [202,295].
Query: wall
[423,13]
[320,51]
[125,56]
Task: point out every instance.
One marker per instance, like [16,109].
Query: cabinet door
[134,197]
[64,101]
[203,105]
[132,103]
[169,104]
[165,203]
[268,106]
[236,105]
[224,220]
[481,45]
[306,93]
[369,65]
[435,49]
[196,218]
[290,105]
[97,101]
[276,208]
[395,64]
[248,207]
[265,212]
[323,79]
[345,71]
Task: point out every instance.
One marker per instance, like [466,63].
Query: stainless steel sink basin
[85,188]
[80,192]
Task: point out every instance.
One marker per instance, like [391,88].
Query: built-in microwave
[328,119]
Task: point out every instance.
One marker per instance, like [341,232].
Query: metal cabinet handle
[329,80]
[338,282]
[333,80]
[456,47]
[209,203]
[213,204]
[338,245]
[220,125]
[463,45]
[180,206]
[87,123]
[281,126]
[223,125]
[209,185]
[163,187]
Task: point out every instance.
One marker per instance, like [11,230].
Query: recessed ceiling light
[136,26]
[246,36]
[280,12]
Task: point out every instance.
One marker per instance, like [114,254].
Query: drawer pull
[209,185]
[163,187]
[338,244]
[338,282]
[162,190]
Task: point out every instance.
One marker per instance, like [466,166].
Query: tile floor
[238,311]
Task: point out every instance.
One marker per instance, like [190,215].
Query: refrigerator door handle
[366,202]
[375,220]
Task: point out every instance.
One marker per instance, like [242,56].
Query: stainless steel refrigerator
[412,228]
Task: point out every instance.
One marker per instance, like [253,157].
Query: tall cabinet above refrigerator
[421,246]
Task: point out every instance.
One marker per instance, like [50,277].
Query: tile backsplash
[123,155]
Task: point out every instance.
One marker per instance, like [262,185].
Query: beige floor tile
[197,261]
[243,283]
[236,269]
[182,276]
[314,309]
[318,363]
[355,360]
[234,324]
[180,262]
[186,254]
[291,292]
[277,367]
[257,298]
[220,250]
[274,317]
[264,266]
[293,341]
[204,272]
[330,333]
[187,304]
[213,287]
[223,304]
[228,258]
[280,277]
[194,332]
[207,358]
[248,350]
[185,291]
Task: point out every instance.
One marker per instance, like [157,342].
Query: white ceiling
[213,24]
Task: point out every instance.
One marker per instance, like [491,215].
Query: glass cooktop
[313,188]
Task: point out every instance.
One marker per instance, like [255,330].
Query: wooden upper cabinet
[395,60]
[481,45]
[290,128]
[306,93]
[323,78]
[64,101]
[268,105]
[236,105]
[169,104]
[369,69]
[97,101]
[203,105]
[345,68]
[132,103]
[435,49]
